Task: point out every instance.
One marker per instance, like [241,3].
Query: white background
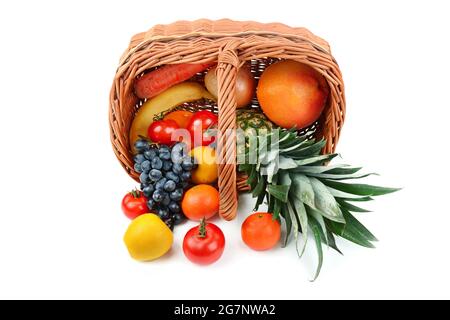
[61,226]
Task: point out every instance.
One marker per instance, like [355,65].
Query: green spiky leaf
[341,176]
[344,195]
[359,189]
[260,186]
[302,217]
[315,168]
[287,218]
[325,202]
[343,170]
[316,230]
[349,233]
[286,163]
[318,216]
[278,191]
[350,207]
[352,222]
[302,189]
[276,208]
[316,160]
[332,241]
[295,226]
[259,201]
[357,199]
[252,177]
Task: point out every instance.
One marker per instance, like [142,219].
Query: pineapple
[290,174]
[247,119]
[250,123]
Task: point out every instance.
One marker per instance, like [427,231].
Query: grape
[157,163]
[177,152]
[137,168]
[172,176]
[158,195]
[150,154]
[141,145]
[166,200]
[151,203]
[185,176]
[176,195]
[163,213]
[139,158]
[170,186]
[143,177]
[183,184]
[164,148]
[169,222]
[164,174]
[176,167]
[148,190]
[146,166]
[167,165]
[155,175]
[160,184]
[174,207]
[164,155]
[187,164]
[178,218]
[176,159]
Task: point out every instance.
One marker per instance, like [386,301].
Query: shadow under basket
[230,44]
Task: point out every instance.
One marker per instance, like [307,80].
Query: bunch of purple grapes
[165,173]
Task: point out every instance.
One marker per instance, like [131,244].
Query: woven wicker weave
[230,44]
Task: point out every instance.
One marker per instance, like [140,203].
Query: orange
[200,201]
[181,117]
[292,94]
[260,231]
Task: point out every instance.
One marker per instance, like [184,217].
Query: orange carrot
[155,82]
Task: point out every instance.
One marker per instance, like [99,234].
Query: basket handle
[227,67]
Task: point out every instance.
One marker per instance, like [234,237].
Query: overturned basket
[230,44]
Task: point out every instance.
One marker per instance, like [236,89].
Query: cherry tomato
[260,231]
[202,128]
[134,204]
[161,131]
[204,244]
[181,117]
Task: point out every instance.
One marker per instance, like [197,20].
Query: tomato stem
[202,230]
[135,193]
[160,115]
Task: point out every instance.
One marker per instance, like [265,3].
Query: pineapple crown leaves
[290,173]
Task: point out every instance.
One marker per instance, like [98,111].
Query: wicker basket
[230,44]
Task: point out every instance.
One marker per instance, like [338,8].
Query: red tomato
[260,231]
[204,244]
[202,128]
[134,204]
[161,131]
